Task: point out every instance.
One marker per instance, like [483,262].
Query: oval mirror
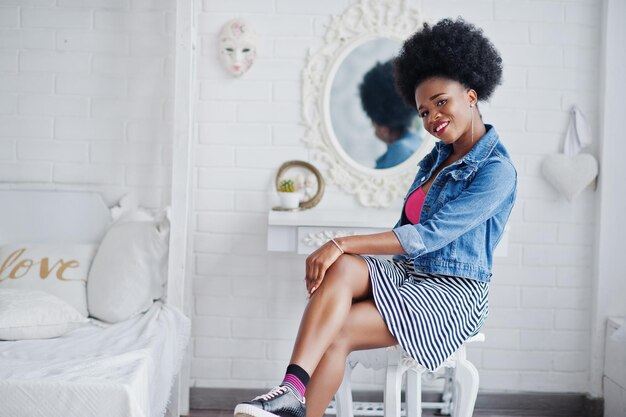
[362,84]
[337,129]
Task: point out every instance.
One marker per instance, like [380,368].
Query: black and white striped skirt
[430,315]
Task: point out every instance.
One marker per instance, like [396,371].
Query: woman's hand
[318,263]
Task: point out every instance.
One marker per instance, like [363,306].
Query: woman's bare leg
[340,317]
[364,329]
[345,281]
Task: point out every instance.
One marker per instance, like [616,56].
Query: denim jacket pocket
[454,183]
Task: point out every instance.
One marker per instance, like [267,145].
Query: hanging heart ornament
[570,174]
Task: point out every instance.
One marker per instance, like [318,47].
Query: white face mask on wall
[237,47]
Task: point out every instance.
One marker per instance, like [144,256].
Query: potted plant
[288,194]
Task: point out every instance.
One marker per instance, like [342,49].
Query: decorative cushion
[129,270]
[29,314]
[58,269]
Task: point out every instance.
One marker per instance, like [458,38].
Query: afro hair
[453,49]
[381,101]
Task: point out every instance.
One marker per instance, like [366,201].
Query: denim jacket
[465,210]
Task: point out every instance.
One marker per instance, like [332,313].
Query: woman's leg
[346,281]
[364,329]
[331,327]
[341,317]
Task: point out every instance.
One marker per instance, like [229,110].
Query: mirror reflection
[371,122]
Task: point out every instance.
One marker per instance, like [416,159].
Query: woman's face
[444,106]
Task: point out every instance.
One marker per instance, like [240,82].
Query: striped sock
[296,378]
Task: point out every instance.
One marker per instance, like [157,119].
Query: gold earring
[472,121]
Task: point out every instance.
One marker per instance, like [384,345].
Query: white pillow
[28,314]
[58,269]
[129,270]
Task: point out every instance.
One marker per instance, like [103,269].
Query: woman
[433,295]
[390,115]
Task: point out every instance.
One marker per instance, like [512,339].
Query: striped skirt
[430,315]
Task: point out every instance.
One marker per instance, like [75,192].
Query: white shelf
[304,231]
[378,219]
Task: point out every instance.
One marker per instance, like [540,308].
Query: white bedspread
[121,370]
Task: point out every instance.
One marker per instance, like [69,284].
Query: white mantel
[304,231]
[341,218]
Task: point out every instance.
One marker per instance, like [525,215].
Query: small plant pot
[289,200]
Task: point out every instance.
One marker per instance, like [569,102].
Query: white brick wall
[248,301]
[83,96]
[86,102]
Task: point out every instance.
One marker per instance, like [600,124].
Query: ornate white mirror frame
[362,22]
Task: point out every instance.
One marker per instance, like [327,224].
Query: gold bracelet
[337,244]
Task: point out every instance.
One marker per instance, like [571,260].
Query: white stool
[459,392]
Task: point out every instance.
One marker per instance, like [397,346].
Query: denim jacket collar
[483,148]
[474,157]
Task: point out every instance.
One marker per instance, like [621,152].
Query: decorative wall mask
[571,172]
[237,46]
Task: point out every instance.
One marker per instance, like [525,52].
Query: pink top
[413,206]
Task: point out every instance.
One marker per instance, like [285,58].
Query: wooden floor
[221,402]
[426,413]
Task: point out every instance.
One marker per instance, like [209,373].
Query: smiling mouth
[440,128]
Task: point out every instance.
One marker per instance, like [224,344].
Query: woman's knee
[349,271]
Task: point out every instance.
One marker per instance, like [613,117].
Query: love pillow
[58,269]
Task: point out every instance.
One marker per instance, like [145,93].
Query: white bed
[127,369]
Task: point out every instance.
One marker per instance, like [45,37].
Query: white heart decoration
[570,174]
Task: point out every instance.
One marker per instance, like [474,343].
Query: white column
[610,266]
[179,273]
